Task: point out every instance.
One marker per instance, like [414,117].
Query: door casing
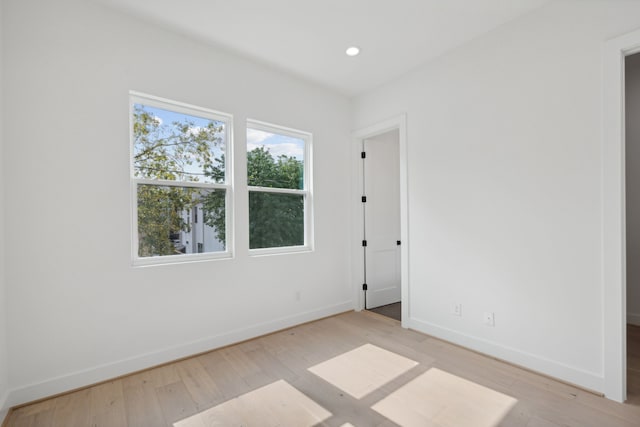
[398,122]
[382,219]
[614,261]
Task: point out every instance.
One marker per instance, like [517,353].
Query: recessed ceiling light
[353,51]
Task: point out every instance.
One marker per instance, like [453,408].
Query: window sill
[285,250]
[180,259]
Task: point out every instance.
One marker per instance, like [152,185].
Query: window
[278,176]
[181,181]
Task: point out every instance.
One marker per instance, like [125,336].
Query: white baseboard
[633,318]
[4,408]
[588,380]
[105,372]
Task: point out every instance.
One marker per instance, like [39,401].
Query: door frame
[399,122]
[614,281]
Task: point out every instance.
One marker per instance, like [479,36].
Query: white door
[382,218]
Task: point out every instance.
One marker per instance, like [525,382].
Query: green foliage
[180,151]
[275,220]
[214,211]
[159,216]
[264,171]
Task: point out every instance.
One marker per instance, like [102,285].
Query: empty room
[341,213]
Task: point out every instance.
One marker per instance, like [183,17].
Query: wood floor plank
[176,402]
[72,410]
[202,388]
[629,412]
[223,375]
[37,415]
[519,416]
[20,420]
[161,376]
[452,402]
[181,391]
[276,404]
[107,405]
[288,351]
[239,361]
[343,407]
[35,408]
[141,402]
[541,422]
[270,365]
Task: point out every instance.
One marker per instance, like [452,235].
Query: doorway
[381,217]
[632,224]
[614,254]
[385,263]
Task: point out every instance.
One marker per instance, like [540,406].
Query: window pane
[275,220]
[176,146]
[180,220]
[274,160]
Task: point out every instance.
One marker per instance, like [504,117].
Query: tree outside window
[178,168]
[278,176]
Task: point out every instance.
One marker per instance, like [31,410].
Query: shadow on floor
[390,310]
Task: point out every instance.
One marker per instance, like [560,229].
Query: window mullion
[171,183]
[277,190]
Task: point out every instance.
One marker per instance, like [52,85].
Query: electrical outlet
[457,309]
[489,318]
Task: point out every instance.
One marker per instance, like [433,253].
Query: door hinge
[364,199]
[364,243]
[364,286]
[363,155]
[398,242]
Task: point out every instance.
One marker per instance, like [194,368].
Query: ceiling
[309,38]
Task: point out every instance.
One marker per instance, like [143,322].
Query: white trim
[306,192]
[177,106]
[589,380]
[282,250]
[181,259]
[192,110]
[399,122]
[280,130]
[4,407]
[108,371]
[277,190]
[186,184]
[613,215]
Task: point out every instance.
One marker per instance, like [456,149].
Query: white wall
[632,157]
[79,312]
[4,385]
[504,148]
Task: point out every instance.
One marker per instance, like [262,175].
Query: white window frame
[180,107]
[306,192]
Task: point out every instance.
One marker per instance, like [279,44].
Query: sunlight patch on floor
[363,370]
[437,398]
[276,404]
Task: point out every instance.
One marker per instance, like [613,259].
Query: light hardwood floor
[195,391]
